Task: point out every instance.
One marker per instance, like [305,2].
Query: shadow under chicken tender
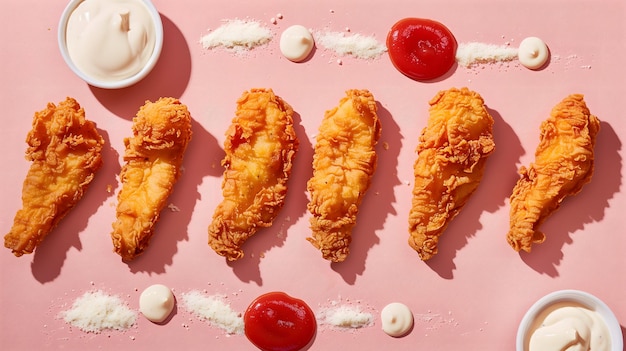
[344,162]
[260,146]
[452,154]
[564,162]
[65,150]
[153,158]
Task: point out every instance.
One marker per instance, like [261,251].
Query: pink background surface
[472,295]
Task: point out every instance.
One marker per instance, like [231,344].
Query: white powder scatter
[473,53]
[237,35]
[570,61]
[357,45]
[213,309]
[345,316]
[434,321]
[96,311]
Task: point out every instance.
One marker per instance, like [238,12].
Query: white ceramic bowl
[575,296]
[126,82]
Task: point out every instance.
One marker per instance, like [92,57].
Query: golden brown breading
[260,146]
[343,164]
[563,164]
[65,149]
[452,153]
[153,157]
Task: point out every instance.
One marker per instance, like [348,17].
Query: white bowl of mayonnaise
[569,320]
[110,44]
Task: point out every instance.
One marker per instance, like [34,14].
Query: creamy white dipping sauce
[296,43]
[568,326]
[533,53]
[156,303]
[110,40]
[397,319]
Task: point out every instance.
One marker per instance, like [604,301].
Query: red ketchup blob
[421,49]
[278,322]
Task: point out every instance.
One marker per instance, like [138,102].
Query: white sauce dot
[296,43]
[156,303]
[533,53]
[397,319]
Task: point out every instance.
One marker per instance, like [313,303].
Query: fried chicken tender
[564,162]
[153,158]
[344,162]
[260,146]
[65,150]
[452,154]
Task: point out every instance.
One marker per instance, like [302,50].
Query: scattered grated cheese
[345,316]
[96,311]
[237,35]
[357,45]
[214,310]
[470,54]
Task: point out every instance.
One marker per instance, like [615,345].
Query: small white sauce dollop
[110,40]
[296,43]
[397,319]
[568,327]
[156,303]
[533,53]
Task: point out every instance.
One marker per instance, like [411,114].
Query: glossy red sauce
[421,49]
[278,322]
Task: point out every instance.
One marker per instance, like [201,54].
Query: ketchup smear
[421,49]
[278,322]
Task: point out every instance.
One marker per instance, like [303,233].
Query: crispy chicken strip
[343,165]
[153,158]
[260,146]
[65,150]
[452,153]
[563,164]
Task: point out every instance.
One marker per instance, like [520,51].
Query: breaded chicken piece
[65,150]
[451,158]
[153,158]
[344,162]
[563,164]
[260,146]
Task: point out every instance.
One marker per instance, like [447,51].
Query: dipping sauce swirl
[278,322]
[533,53]
[421,49]
[296,43]
[110,40]
[397,319]
[569,326]
[156,303]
